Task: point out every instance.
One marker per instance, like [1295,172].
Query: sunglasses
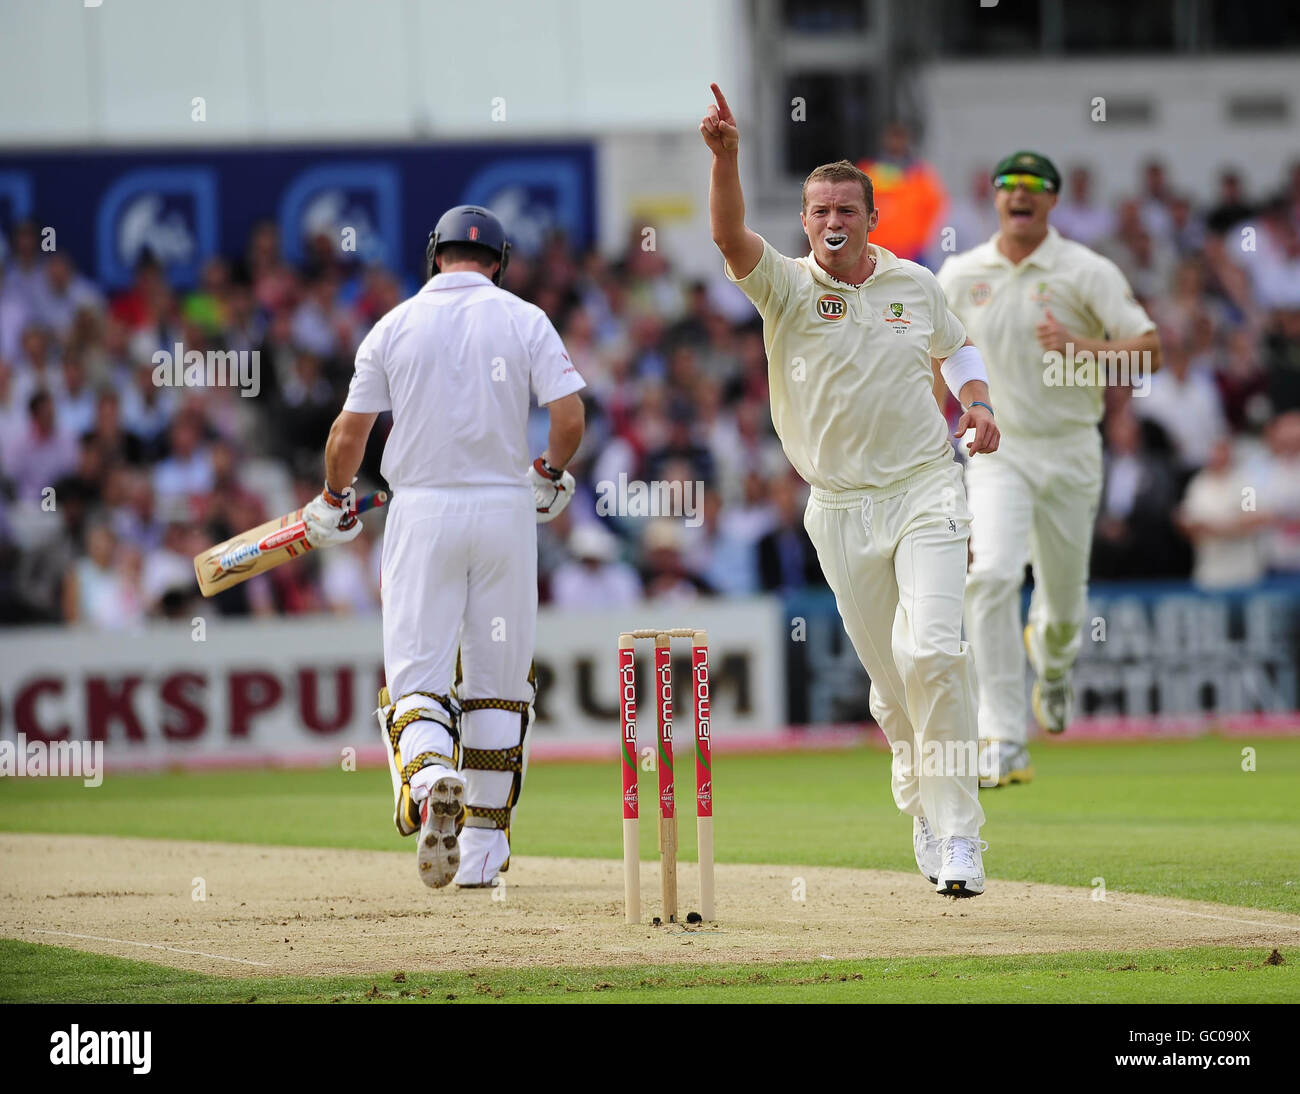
[1035,184]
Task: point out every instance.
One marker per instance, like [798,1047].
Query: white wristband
[962,367]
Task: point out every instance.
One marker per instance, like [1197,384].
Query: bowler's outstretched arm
[741,247]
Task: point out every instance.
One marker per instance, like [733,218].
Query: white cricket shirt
[849,367]
[455,364]
[1002,303]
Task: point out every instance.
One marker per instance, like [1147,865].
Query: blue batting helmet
[471,224]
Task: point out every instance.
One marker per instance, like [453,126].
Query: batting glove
[329,520]
[552,489]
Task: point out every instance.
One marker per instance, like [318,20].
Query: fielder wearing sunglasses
[1035,184]
[1037,305]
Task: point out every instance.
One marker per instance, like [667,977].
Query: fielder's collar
[1044,256]
[459,279]
[885,260]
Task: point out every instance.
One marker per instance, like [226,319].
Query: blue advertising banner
[1156,657]
[108,208]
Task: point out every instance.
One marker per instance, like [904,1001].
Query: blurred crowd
[111,483]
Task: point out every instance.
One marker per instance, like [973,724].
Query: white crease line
[1201,915]
[149,946]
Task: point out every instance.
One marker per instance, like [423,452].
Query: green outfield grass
[49,974]
[1175,819]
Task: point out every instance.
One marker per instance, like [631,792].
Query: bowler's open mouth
[835,242]
[1021,212]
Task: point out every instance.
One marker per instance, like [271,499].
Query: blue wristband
[976,402]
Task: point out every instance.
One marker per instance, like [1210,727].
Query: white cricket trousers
[460,571]
[1034,500]
[895,557]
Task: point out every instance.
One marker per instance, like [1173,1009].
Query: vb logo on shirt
[831,306]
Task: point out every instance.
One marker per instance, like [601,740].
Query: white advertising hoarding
[301,690]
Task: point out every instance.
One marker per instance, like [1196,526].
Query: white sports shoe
[926,845]
[438,853]
[961,872]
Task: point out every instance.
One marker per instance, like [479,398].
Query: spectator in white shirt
[1278,475]
[1185,404]
[146,409]
[37,364]
[187,470]
[595,577]
[319,326]
[1274,267]
[1177,312]
[62,293]
[75,403]
[25,270]
[1078,217]
[1146,260]
[1187,227]
[16,312]
[730,562]
[98,591]
[347,583]
[1155,201]
[45,454]
[743,444]
[1219,516]
[168,578]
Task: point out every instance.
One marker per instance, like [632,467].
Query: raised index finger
[723,108]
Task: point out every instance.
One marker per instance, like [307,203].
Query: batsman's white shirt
[456,364]
[852,401]
[1035,499]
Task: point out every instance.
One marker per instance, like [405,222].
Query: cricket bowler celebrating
[1026,295]
[455,364]
[855,339]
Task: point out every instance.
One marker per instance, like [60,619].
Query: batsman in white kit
[456,364]
[858,344]
[1057,322]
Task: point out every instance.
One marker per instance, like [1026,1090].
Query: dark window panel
[966,29]
[839,122]
[1119,26]
[1252,25]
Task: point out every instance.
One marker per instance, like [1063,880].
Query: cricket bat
[262,548]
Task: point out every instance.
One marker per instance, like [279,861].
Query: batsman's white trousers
[460,571]
[895,557]
[1034,500]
